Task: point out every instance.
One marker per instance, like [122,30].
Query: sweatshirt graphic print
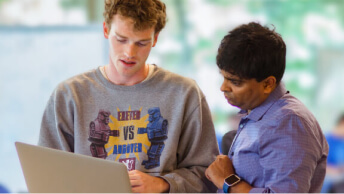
[129,133]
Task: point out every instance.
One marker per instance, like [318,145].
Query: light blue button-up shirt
[280,147]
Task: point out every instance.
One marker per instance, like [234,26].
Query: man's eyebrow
[143,40]
[233,79]
[121,36]
[230,78]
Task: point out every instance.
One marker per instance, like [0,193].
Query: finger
[208,172]
[208,177]
[136,189]
[220,157]
[132,172]
[135,183]
[134,176]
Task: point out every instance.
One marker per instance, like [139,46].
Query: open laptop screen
[49,170]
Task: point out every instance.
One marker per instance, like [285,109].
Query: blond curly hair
[144,13]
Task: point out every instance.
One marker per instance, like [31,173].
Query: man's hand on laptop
[144,183]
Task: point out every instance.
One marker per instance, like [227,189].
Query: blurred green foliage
[2,1]
[69,4]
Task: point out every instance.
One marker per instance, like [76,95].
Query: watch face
[232,180]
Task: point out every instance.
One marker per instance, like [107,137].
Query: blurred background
[45,42]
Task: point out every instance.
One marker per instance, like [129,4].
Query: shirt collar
[258,112]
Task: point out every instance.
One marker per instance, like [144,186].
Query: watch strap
[225,187]
[230,181]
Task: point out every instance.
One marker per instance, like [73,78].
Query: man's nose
[130,50]
[225,88]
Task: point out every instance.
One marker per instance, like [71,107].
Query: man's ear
[269,84]
[155,39]
[105,30]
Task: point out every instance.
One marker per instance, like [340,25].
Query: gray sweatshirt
[161,126]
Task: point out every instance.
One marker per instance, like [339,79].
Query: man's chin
[234,104]
[231,102]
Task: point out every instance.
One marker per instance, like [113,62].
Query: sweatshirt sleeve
[57,122]
[197,149]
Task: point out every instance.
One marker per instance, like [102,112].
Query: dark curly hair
[252,51]
[144,13]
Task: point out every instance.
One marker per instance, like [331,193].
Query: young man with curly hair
[156,122]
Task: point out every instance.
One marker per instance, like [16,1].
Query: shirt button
[241,126]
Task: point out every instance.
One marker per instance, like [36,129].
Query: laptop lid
[49,170]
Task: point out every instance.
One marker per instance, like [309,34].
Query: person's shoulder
[175,78]
[82,77]
[77,80]
[171,75]
[289,105]
[290,111]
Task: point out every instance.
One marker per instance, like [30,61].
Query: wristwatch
[230,181]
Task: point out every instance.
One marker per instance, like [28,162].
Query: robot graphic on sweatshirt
[100,133]
[157,133]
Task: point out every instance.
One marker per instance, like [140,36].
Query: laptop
[49,170]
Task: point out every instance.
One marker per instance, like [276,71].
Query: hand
[220,169]
[144,183]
